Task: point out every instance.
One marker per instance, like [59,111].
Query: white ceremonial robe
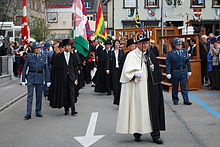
[133,115]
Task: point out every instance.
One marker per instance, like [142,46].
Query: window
[31,4]
[87,4]
[90,17]
[130,4]
[216,3]
[151,3]
[197,3]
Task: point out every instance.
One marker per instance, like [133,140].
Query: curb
[11,102]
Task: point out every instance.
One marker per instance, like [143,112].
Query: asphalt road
[187,126]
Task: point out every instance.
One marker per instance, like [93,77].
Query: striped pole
[24,26]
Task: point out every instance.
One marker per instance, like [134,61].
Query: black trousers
[108,83]
[69,94]
[116,85]
[215,77]
[204,71]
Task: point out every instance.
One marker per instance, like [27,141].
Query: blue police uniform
[178,65]
[49,55]
[35,70]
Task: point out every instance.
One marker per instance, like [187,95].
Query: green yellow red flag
[100,24]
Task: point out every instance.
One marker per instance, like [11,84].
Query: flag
[137,20]
[88,30]
[80,35]
[24,26]
[100,30]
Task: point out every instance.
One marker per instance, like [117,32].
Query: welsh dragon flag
[80,36]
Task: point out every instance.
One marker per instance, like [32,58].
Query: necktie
[67,58]
[178,52]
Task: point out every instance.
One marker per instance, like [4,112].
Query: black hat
[60,44]
[130,42]
[142,38]
[66,42]
[108,42]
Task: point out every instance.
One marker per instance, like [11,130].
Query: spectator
[192,49]
[10,49]
[203,56]
[215,65]
[154,48]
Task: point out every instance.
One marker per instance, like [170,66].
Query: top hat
[108,42]
[60,44]
[130,42]
[142,38]
[66,42]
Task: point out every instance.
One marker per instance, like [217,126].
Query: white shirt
[67,57]
[116,59]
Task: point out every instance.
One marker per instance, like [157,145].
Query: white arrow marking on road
[89,138]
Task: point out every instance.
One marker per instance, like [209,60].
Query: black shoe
[175,103]
[137,137]
[108,93]
[212,88]
[187,103]
[66,112]
[39,115]
[27,117]
[158,141]
[74,113]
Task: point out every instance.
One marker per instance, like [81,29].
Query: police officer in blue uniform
[35,70]
[46,51]
[178,69]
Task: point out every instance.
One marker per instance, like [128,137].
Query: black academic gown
[61,72]
[100,76]
[155,94]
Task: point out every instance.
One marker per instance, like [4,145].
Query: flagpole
[162,25]
[74,19]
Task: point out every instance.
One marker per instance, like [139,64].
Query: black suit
[98,51]
[115,73]
[62,87]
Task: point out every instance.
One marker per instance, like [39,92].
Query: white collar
[66,53]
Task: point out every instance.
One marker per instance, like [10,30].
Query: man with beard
[141,108]
[63,87]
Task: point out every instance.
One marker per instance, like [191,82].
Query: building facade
[13,10]
[203,13]
[60,16]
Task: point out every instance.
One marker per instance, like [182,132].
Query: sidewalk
[11,92]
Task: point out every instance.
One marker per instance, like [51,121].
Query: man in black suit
[63,85]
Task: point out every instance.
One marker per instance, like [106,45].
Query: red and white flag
[24,26]
[80,19]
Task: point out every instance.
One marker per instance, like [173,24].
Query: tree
[39,29]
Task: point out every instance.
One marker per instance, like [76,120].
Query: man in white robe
[134,116]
